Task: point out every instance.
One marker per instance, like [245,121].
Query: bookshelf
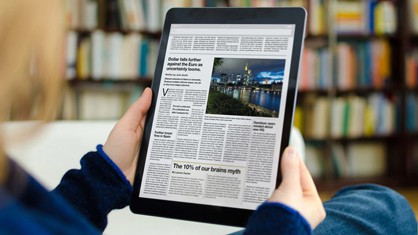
[360,55]
[411,91]
[112,48]
[335,160]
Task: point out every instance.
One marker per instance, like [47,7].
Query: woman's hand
[297,189]
[122,145]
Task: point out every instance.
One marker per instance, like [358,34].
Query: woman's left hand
[123,143]
[297,189]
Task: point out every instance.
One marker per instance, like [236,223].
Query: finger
[138,110]
[306,181]
[290,169]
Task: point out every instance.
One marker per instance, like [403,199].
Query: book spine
[83,58]
[71,59]
[113,15]
[154,15]
[90,12]
[98,54]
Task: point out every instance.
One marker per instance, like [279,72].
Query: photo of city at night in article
[246,87]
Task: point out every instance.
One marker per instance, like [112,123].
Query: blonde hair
[31,61]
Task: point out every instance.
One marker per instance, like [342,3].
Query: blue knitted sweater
[81,202]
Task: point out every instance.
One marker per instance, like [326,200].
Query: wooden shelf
[414,38]
[316,37]
[413,134]
[354,139]
[147,33]
[359,36]
[412,89]
[357,90]
[109,84]
[317,91]
[140,80]
[336,183]
[367,90]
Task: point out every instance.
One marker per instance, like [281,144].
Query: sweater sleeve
[97,188]
[276,218]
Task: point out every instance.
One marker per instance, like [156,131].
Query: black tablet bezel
[208,213]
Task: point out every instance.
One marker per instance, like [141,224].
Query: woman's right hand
[297,189]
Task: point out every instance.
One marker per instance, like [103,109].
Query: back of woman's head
[31,58]
[31,61]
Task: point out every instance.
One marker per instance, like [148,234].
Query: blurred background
[357,104]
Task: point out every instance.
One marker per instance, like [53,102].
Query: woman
[31,65]
[31,68]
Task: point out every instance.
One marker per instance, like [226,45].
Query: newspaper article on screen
[216,134]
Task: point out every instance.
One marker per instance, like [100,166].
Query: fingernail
[291,152]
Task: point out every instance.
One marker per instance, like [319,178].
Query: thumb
[290,169]
[138,110]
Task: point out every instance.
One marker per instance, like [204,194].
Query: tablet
[224,93]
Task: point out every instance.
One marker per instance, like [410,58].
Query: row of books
[354,160]
[412,68]
[363,64]
[413,13]
[358,16]
[352,16]
[366,17]
[317,23]
[123,14]
[149,14]
[347,117]
[316,70]
[411,112]
[110,56]
[358,64]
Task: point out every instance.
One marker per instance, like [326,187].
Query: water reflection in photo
[266,99]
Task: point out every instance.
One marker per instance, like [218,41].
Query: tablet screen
[216,134]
